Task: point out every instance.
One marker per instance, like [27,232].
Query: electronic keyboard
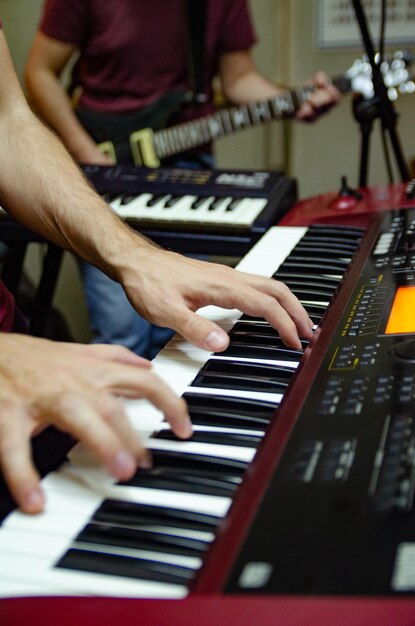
[149,537]
[196,211]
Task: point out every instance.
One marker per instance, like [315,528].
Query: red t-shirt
[133,51]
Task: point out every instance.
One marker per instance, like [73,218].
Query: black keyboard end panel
[338,517]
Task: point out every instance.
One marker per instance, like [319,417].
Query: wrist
[126,254]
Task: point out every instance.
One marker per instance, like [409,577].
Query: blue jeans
[112,318]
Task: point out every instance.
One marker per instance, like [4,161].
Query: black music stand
[380,106]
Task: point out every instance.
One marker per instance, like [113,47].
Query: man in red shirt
[77,387]
[131,53]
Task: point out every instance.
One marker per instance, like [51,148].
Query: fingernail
[122,465]
[217,340]
[34,500]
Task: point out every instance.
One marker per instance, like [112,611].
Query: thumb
[202,332]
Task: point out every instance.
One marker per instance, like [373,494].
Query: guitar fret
[205,130]
[167,141]
[226,121]
[215,126]
[160,145]
[259,112]
[282,105]
[183,137]
[264,111]
[240,116]
[175,139]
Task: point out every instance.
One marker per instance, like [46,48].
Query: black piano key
[165,479]
[198,202]
[327,254]
[310,294]
[253,336]
[141,539]
[156,198]
[243,376]
[127,198]
[218,438]
[233,204]
[306,277]
[312,285]
[257,350]
[136,514]
[225,411]
[295,267]
[319,244]
[314,310]
[172,201]
[215,202]
[248,330]
[126,566]
[196,462]
[109,197]
[337,232]
[328,261]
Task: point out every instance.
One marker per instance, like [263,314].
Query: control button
[404,351]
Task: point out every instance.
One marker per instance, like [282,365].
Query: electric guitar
[145,138]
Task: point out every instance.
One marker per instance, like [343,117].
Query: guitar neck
[183,137]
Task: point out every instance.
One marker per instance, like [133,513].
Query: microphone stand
[380,106]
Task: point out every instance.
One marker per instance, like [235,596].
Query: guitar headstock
[395,72]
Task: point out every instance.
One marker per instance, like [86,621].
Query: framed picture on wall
[336,25]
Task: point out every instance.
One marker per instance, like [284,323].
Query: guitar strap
[196,14]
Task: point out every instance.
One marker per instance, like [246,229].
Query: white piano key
[172,354]
[220,451]
[16,541]
[180,212]
[245,214]
[24,589]
[96,478]
[64,522]
[218,429]
[271,250]
[135,208]
[19,568]
[231,393]
[206,214]
[47,545]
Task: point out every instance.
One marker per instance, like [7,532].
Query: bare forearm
[51,102]
[251,87]
[242,83]
[43,188]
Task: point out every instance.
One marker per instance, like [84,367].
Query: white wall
[320,153]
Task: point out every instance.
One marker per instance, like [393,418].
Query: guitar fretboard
[182,137]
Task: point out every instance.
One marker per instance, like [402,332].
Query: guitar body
[113,132]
